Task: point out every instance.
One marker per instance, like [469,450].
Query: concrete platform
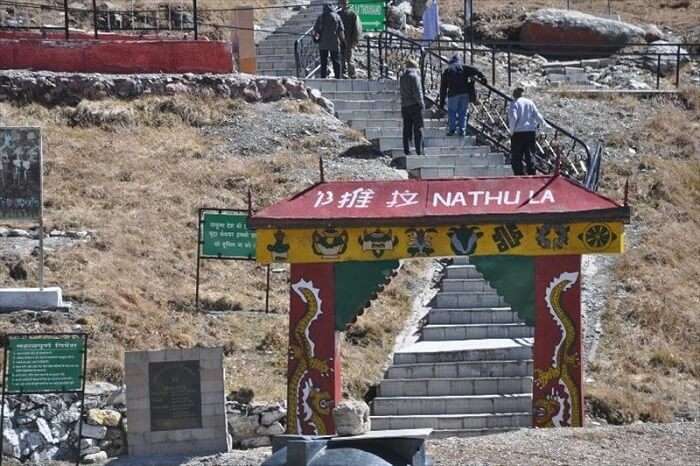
[35,299]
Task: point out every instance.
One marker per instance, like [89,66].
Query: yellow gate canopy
[382,220]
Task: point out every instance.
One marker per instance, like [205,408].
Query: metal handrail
[563,151]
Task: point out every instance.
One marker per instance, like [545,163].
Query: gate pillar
[557,392]
[313,370]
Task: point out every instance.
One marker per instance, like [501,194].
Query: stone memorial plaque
[175,395]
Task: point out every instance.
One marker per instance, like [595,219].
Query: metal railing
[557,148]
[306,55]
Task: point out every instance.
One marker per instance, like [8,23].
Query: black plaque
[174,392]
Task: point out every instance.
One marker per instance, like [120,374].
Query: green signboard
[227,236]
[372,14]
[44,365]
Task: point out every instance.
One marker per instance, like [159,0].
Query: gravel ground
[638,444]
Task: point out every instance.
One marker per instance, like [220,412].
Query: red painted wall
[313,370]
[116,56]
[557,391]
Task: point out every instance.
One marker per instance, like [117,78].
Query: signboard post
[372,14]
[45,363]
[224,235]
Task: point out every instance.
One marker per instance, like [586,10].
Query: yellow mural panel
[367,244]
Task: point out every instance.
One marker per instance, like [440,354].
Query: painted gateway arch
[343,239]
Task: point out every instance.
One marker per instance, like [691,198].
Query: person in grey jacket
[329,33]
[412,106]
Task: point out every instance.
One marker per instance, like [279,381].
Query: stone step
[276,67]
[448,433]
[277,73]
[443,332]
[453,421]
[455,299]
[439,151]
[276,58]
[395,132]
[493,315]
[440,405]
[363,95]
[462,172]
[465,350]
[447,370]
[390,123]
[351,85]
[473,158]
[391,143]
[465,284]
[265,50]
[347,115]
[385,105]
[459,386]
[462,271]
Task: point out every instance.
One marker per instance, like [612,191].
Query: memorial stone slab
[176,403]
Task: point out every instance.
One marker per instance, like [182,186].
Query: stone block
[31,298]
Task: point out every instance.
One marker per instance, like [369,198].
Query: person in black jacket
[457,84]
[412,106]
[353,32]
[329,33]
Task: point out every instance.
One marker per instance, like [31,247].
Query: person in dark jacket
[353,33]
[329,33]
[412,106]
[457,84]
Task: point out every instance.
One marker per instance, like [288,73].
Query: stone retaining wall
[50,88]
[41,428]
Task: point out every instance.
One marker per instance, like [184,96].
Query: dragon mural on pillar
[560,406]
[307,404]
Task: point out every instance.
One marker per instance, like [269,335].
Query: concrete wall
[117,56]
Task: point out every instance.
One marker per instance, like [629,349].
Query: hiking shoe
[450,133]
[460,133]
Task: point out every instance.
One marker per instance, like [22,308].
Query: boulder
[256,442]
[271,90]
[44,429]
[45,455]
[450,30]
[552,26]
[396,19]
[274,429]
[270,417]
[243,426]
[351,418]
[98,457]
[11,443]
[104,417]
[652,33]
[90,431]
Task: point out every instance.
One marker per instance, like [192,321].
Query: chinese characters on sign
[45,365]
[20,173]
[364,198]
[227,236]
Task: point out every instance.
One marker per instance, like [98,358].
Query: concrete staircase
[275,53]
[470,373]
[374,108]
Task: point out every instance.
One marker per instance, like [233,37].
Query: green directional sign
[227,236]
[44,365]
[372,14]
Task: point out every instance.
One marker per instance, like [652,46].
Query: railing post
[94,16]
[381,57]
[65,18]
[493,66]
[194,15]
[509,70]
[369,59]
[678,65]
[297,59]
[658,71]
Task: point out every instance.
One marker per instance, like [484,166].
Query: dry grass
[136,173]
[649,359]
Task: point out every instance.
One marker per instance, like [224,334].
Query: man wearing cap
[412,106]
[523,121]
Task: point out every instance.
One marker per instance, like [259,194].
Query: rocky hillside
[131,174]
